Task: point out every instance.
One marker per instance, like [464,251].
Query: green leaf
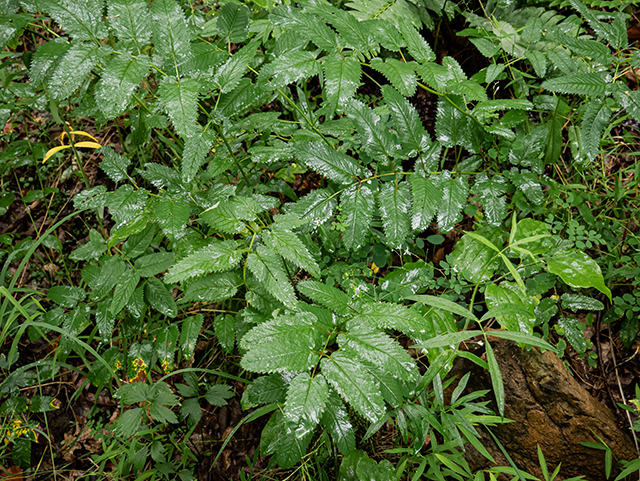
[531,235]
[119,79]
[578,270]
[160,298]
[473,260]
[577,302]
[471,90]
[491,192]
[179,99]
[130,21]
[524,338]
[233,22]
[66,296]
[171,35]
[426,195]
[73,67]
[382,315]
[111,271]
[228,76]
[503,104]
[172,216]
[380,350]
[538,61]
[290,68]
[315,208]
[351,379]
[496,377]
[412,133]
[166,345]
[376,139]
[520,320]
[105,320]
[264,390]
[306,400]
[357,202]
[574,333]
[454,197]
[153,264]
[92,249]
[127,283]
[329,162]
[614,33]
[125,204]
[224,328]
[341,79]
[400,74]
[395,204]
[137,244]
[529,184]
[267,267]
[328,296]
[289,246]
[336,420]
[358,34]
[416,44]
[286,343]
[216,257]
[128,423]
[161,395]
[444,304]
[195,151]
[578,84]
[191,327]
[114,164]
[45,58]
[217,395]
[190,408]
[79,18]
[595,119]
[214,288]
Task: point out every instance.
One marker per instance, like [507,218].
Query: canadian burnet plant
[223,224]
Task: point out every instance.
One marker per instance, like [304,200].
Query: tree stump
[549,408]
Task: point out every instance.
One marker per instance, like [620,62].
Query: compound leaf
[591,84]
[289,246]
[216,257]
[491,192]
[265,264]
[329,162]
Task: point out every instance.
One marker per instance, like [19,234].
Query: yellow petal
[54,151]
[88,145]
[77,132]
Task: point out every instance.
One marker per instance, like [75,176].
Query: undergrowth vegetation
[272,220]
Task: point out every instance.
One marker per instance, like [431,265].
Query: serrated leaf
[217,395]
[491,192]
[412,133]
[233,22]
[306,400]
[267,266]
[166,345]
[224,327]
[383,315]
[291,67]
[228,75]
[454,198]
[328,296]
[127,283]
[160,298]
[529,184]
[426,195]
[400,74]
[79,18]
[576,302]
[179,99]
[358,34]
[470,89]
[315,208]
[336,420]
[416,44]
[119,79]
[578,270]
[358,202]
[125,204]
[137,244]
[351,379]
[380,350]
[538,61]
[329,162]
[228,215]
[594,120]
[172,216]
[341,79]
[153,264]
[264,390]
[395,204]
[195,151]
[73,67]
[289,246]
[376,139]
[130,20]
[171,35]
[191,327]
[591,84]
[66,296]
[214,288]
[128,423]
[114,164]
[216,257]
[111,270]
[286,343]
[92,249]
[614,33]
[45,58]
